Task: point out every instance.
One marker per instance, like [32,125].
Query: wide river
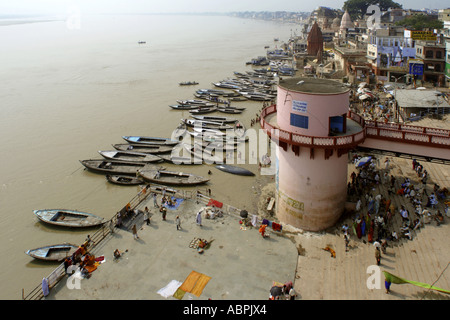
[69,90]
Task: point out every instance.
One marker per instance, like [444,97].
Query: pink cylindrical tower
[311,127]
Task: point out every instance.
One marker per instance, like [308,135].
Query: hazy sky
[155,6]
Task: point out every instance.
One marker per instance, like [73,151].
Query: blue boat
[234,170]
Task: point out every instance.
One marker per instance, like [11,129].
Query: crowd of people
[375,212]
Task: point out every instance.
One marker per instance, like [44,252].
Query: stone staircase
[422,259]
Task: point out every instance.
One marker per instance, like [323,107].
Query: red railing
[433,137]
[346,141]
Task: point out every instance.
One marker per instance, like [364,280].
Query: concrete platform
[241,264]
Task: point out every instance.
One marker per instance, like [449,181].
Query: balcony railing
[432,137]
[336,142]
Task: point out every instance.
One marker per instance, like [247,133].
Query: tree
[358,8]
[420,22]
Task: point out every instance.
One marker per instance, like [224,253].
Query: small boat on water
[107,166]
[124,180]
[188,83]
[150,140]
[143,148]
[203,110]
[130,156]
[56,252]
[211,91]
[205,154]
[231,110]
[172,177]
[237,99]
[68,218]
[215,119]
[178,160]
[234,170]
[209,131]
[229,139]
[184,107]
[206,124]
[195,102]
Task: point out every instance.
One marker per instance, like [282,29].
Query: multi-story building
[447,63]
[389,55]
[432,54]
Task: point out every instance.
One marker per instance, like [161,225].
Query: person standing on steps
[178,222]
[134,230]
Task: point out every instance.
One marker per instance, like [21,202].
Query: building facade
[433,56]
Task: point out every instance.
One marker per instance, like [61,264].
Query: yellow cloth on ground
[179,294]
[200,285]
[190,281]
[194,283]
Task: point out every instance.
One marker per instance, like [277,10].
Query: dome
[346,21]
[336,22]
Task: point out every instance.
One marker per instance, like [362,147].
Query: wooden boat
[178,160]
[215,119]
[130,156]
[216,145]
[68,218]
[150,140]
[171,177]
[230,110]
[195,102]
[209,131]
[209,137]
[205,154]
[211,91]
[56,252]
[188,83]
[203,110]
[234,170]
[206,124]
[143,148]
[107,166]
[124,180]
[237,99]
[184,107]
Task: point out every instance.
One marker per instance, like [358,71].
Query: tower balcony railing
[331,142]
[403,133]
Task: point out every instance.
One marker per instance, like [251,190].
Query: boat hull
[57,252]
[150,140]
[124,180]
[68,218]
[172,178]
[113,167]
[235,170]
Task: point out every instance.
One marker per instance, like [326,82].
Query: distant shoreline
[6,22]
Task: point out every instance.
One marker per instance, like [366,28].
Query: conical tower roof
[346,21]
[315,35]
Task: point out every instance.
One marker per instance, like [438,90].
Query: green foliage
[358,8]
[421,22]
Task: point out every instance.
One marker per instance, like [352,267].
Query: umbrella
[361,162]
[244,213]
[276,291]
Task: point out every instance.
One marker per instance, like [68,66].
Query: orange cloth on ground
[190,281]
[194,283]
[200,285]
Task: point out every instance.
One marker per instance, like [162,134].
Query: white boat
[130,156]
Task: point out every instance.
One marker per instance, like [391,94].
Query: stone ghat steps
[422,259]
